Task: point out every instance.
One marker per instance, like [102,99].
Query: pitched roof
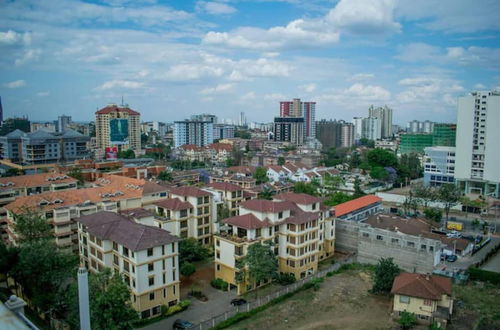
[189,191]
[275,168]
[17,133]
[36,180]
[302,199]
[247,221]
[137,213]
[262,205]
[356,204]
[421,286]
[302,217]
[192,147]
[174,204]
[220,146]
[242,169]
[120,229]
[152,187]
[225,186]
[114,108]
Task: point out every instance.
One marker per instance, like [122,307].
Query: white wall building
[372,128]
[439,166]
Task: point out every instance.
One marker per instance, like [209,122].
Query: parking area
[466,261]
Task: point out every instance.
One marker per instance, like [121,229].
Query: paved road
[493,264]
[465,262]
[218,303]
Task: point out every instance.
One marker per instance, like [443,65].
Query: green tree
[332,182]
[381,157]
[426,194]
[144,139]
[337,198]
[433,214]
[305,188]
[379,173]
[165,176]
[14,172]
[358,192]
[409,166]
[126,154]
[260,263]
[76,173]
[191,250]
[385,273]
[260,175]
[223,212]
[411,203]
[243,134]
[367,143]
[110,305]
[449,195]
[230,162]
[266,193]
[8,258]
[30,227]
[407,320]
[187,269]
[281,160]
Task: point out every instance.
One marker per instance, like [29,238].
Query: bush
[187,269]
[433,214]
[285,279]
[330,274]
[407,320]
[315,283]
[477,274]
[219,284]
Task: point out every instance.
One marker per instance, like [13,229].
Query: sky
[171,59]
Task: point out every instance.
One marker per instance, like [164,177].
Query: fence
[250,305]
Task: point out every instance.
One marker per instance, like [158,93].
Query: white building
[358,128]
[439,166]
[385,116]
[200,133]
[477,143]
[371,128]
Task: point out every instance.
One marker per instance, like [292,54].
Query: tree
[110,305]
[281,160]
[449,195]
[242,134]
[407,320]
[305,188]
[30,227]
[337,198]
[385,272]
[409,166]
[426,194]
[223,212]
[367,143]
[165,176]
[187,269]
[230,162]
[191,250]
[358,192]
[76,173]
[260,262]
[266,193]
[381,157]
[379,173]
[260,175]
[14,172]
[332,182]
[126,154]
[433,214]
[8,258]
[411,203]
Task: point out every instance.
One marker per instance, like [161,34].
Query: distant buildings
[222,131]
[371,128]
[63,122]
[442,135]
[199,133]
[358,128]
[439,166]
[416,126]
[385,116]
[335,134]
[1,111]
[289,129]
[11,124]
[118,126]
[306,110]
[205,117]
[478,137]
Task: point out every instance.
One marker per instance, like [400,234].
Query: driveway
[465,262]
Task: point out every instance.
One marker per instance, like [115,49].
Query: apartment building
[477,155]
[289,129]
[371,128]
[118,126]
[60,208]
[301,229]
[188,213]
[439,166]
[384,114]
[200,133]
[230,193]
[146,256]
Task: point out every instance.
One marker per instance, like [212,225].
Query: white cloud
[248,96]
[15,38]
[276,97]
[215,8]
[221,88]
[125,84]
[479,86]
[361,77]
[368,92]
[29,56]
[186,72]
[428,89]
[15,84]
[308,88]
[364,16]
[42,94]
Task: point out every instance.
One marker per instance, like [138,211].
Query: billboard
[118,131]
[111,153]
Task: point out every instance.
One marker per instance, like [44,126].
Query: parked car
[451,258]
[454,234]
[238,302]
[182,324]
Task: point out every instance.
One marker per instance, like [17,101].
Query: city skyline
[169,59]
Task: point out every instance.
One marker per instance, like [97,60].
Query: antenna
[122,100]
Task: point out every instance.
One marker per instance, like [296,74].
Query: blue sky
[171,59]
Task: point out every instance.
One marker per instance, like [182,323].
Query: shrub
[477,274]
[164,310]
[285,279]
[315,283]
[187,269]
[433,214]
[407,320]
[220,284]
[329,274]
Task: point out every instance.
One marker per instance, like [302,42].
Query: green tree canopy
[187,269]
[260,175]
[385,273]
[301,187]
[30,227]
[407,320]
[126,154]
[243,134]
[358,192]
[260,262]
[76,173]
[379,173]
[449,195]
[381,157]
[165,176]
[337,198]
[281,161]
[191,250]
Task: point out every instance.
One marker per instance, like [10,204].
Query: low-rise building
[429,297]
[358,209]
[146,256]
[439,166]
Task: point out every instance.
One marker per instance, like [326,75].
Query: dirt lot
[342,302]
[200,280]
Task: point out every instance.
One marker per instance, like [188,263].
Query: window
[115,246]
[258,232]
[151,296]
[151,267]
[173,275]
[164,278]
[280,215]
[218,267]
[217,255]
[404,299]
[427,302]
[411,244]
[125,251]
[395,241]
[380,238]
[366,235]
[115,260]
[150,252]
[151,281]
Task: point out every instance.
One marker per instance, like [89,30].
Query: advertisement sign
[111,153]
[118,131]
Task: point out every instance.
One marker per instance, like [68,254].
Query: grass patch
[484,300]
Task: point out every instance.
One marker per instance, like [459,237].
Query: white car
[454,234]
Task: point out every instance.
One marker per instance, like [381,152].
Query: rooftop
[302,199]
[262,205]
[174,204]
[356,204]
[189,191]
[225,186]
[35,180]
[421,286]
[247,221]
[114,108]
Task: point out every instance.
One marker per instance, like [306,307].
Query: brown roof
[302,217]
[153,187]
[220,146]
[189,191]
[114,108]
[35,180]
[242,169]
[120,229]
[421,286]
[262,205]
[225,186]
[137,213]
[247,221]
[174,204]
[275,168]
[356,204]
[192,147]
[302,199]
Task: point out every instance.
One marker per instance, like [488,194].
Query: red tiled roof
[35,180]
[246,221]
[275,168]
[421,286]
[114,108]
[192,147]
[220,146]
[242,169]
[261,205]
[356,204]
[174,204]
[189,191]
[302,217]
[225,186]
[303,199]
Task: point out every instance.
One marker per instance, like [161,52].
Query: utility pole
[83,298]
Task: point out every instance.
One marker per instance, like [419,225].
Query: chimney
[83,298]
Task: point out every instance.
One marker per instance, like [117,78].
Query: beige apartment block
[104,127]
[231,195]
[146,256]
